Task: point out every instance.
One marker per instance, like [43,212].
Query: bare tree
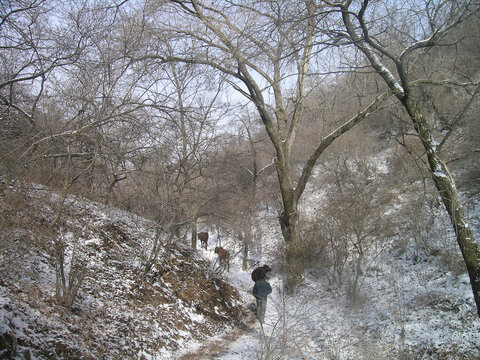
[413,32]
[355,217]
[254,170]
[32,49]
[265,48]
[60,103]
[63,83]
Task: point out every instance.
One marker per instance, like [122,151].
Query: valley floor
[429,321]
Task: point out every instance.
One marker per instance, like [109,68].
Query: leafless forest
[188,112]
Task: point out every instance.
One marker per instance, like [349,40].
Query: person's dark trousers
[261,307]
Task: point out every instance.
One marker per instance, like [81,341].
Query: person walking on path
[261,290]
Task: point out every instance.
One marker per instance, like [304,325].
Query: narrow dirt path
[216,347]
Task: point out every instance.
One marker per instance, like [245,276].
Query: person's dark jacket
[261,289]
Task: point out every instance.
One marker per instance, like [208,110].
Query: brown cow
[224,256]
[203,236]
[256,272]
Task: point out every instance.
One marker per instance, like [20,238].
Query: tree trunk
[358,273]
[281,118]
[446,188]
[245,255]
[440,173]
[294,251]
[247,233]
[194,232]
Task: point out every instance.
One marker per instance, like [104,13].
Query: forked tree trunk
[281,118]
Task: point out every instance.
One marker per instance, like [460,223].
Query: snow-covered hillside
[413,305]
[179,305]
[416,303]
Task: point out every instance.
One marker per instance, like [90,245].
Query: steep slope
[114,315]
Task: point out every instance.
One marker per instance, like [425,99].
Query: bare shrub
[323,257]
[354,221]
[22,229]
[67,286]
[289,336]
[25,230]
